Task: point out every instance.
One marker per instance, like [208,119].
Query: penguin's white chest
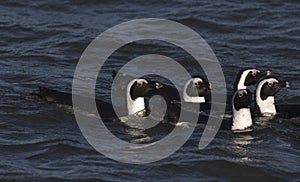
[241,119]
[136,105]
[267,107]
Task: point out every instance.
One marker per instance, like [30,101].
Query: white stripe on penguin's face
[138,104]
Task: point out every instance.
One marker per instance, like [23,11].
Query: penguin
[266,90]
[241,107]
[137,90]
[200,85]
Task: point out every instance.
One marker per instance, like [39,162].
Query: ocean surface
[42,41]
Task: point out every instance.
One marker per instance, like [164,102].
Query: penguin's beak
[267,72]
[285,84]
[206,85]
[154,85]
[158,85]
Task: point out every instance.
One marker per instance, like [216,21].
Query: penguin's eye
[139,84]
[197,83]
[270,84]
[240,94]
[255,72]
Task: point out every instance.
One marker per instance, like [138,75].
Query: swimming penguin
[241,106]
[200,85]
[137,90]
[265,92]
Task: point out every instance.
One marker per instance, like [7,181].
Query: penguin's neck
[267,106]
[136,105]
[241,119]
[241,83]
[188,98]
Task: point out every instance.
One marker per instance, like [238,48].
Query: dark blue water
[41,43]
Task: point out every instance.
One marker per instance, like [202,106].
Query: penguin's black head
[255,75]
[250,76]
[242,99]
[200,84]
[143,88]
[269,86]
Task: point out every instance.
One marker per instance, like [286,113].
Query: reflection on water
[138,135]
[241,143]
